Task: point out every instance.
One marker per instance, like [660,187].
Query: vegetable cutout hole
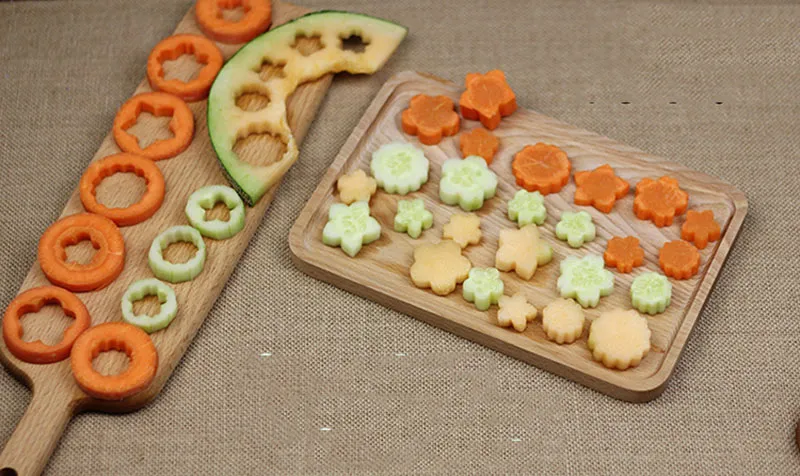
[252,101]
[218,212]
[148,305]
[82,252]
[260,149]
[232,13]
[112,362]
[149,128]
[180,252]
[307,45]
[267,71]
[121,190]
[354,43]
[184,68]
[48,324]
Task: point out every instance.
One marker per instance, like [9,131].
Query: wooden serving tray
[380,271]
[56,397]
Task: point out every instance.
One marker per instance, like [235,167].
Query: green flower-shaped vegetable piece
[467,183]
[526,208]
[399,168]
[651,293]
[585,280]
[575,228]
[412,217]
[483,287]
[350,227]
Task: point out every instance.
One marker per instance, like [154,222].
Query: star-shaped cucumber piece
[585,280]
[483,287]
[399,168]
[350,227]
[526,208]
[412,217]
[576,228]
[467,183]
[651,293]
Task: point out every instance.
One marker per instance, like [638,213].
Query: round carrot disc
[104,268]
[159,105]
[121,337]
[33,300]
[203,49]
[256,20]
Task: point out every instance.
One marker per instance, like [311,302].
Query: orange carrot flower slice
[659,200]
[480,142]
[256,20]
[488,98]
[430,118]
[679,259]
[203,49]
[159,105]
[624,254]
[600,188]
[541,167]
[700,227]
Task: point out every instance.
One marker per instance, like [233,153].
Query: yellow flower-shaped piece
[619,339]
[515,311]
[439,266]
[463,228]
[356,187]
[522,251]
[562,321]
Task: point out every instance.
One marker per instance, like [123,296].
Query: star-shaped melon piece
[522,251]
[515,311]
[356,187]
[600,188]
[463,228]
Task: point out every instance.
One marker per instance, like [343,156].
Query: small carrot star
[600,188]
[488,98]
[624,254]
[430,118]
[700,227]
[659,200]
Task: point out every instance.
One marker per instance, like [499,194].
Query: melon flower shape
[467,183]
[463,228]
[412,217]
[350,227]
[575,228]
[585,280]
[526,208]
[483,287]
[399,168]
[439,266]
[356,187]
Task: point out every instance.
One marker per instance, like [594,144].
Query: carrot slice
[541,167]
[679,259]
[138,212]
[600,188]
[700,227]
[203,49]
[430,118]
[488,98]
[33,300]
[659,200]
[159,105]
[256,20]
[104,268]
[624,253]
[121,337]
[480,142]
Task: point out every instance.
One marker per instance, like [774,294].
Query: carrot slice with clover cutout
[624,254]
[203,49]
[679,259]
[256,20]
[541,167]
[430,118]
[700,227]
[479,142]
[488,98]
[659,200]
[600,188]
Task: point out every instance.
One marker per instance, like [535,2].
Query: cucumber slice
[350,227]
[483,287]
[651,293]
[412,217]
[227,123]
[467,183]
[204,199]
[177,272]
[150,287]
[399,168]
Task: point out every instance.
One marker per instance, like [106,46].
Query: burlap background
[712,86]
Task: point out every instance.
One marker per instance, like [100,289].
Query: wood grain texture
[56,397]
[380,270]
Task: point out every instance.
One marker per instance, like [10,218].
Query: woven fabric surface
[350,387]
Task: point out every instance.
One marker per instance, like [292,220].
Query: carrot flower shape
[430,118]
[659,200]
[479,142]
[700,227]
[679,259]
[624,254]
[600,188]
[488,98]
[541,167]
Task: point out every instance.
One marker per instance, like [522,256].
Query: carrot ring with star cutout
[204,51]
[256,20]
[159,105]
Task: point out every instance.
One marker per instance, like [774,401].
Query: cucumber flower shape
[526,208]
[651,293]
[399,168]
[483,287]
[149,287]
[575,228]
[585,280]
[467,183]
[412,217]
[350,227]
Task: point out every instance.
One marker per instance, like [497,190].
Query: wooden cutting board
[380,271]
[56,397]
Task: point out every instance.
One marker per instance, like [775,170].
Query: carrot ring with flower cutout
[256,20]
[32,300]
[138,212]
[205,52]
[160,105]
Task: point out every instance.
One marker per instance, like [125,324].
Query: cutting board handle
[36,436]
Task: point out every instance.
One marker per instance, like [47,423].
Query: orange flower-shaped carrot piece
[541,167]
[624,254]
[700,227]
[659,200]
[679,259]
[599,188]
[488,98]
[430,118]
[479,142]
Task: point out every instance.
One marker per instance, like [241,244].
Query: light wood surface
[56,397]
[380,271]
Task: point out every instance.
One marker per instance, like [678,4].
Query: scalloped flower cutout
[399,167]
[350,227]
[439,267]
[585,280]
[651,293]
[619,339]
[430,118]
[522,251]
[487,98]
[700,228]
[356,187]
[483,287]
[599,188]
[463,228]
[679,259]
[624,253]
[412,217]
[659,200]
[563,320]
[467,183]
[515,312]
[576,228]
[541,167]
[526,208]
